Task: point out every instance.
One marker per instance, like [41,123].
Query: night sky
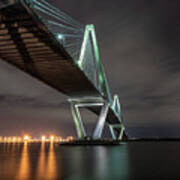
[139,41]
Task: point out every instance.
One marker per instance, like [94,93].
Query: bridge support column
[101,122]
[78,122]
[117,131]
[76,104]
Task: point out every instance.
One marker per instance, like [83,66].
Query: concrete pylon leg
[112,132]
[101,121]
[78,122]
[120,137]
[119,128]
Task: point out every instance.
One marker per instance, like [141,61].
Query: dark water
[134,160]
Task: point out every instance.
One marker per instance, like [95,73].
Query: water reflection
[118,162]
[24,168]
[36,161]
[96,163]
[8,161]
[101,162]
[41,163]
[44,166]
[51,171]
[48,161]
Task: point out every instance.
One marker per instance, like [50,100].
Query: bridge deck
[28,44]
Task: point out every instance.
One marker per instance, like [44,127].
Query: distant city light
[14,139]
[52,138]
[43,138]
[26,137]
[29,139]
[70,138]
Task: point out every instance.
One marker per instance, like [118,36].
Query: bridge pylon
[117,130]
[106,107]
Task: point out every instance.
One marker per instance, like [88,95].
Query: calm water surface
[135,160]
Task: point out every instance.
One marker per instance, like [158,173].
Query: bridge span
[46,43]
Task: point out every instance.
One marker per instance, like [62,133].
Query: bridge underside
[27,43]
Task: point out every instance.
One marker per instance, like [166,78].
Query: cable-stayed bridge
[46,43]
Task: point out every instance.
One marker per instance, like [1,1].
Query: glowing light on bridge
[60,37]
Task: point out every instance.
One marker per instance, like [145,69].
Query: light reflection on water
[51,171]
[48,161]
[24,166]
[28,161]
[134,160]
[47,166]
[41,163]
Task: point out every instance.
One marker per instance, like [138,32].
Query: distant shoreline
[152,139]
[116,142]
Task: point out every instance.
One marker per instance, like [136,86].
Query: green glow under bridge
[51,46]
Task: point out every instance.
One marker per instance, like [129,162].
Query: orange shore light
[26,138]
[52,138]
[43,138]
